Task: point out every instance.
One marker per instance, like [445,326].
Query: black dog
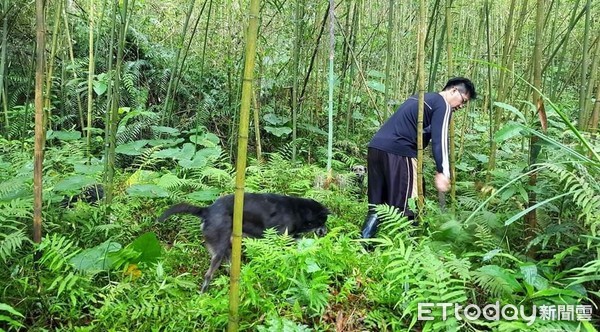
[293,215]
[91,194]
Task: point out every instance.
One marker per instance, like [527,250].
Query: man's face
[459,99]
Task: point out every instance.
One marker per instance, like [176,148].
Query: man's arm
[440,124]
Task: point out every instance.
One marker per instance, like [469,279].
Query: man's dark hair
[463,84]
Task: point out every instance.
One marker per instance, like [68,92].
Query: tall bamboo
[331,80]
[421,33]
[189,44]
[175,69]
[296,73]
[388,59]
[115,100]
[352,44]
[236,241]
[38,156]
[593,124]
[489,81]
[50,65]
[74,70]
[593,78]
[452,138]
[501,85]
[436,48]
[5,8]
[583,93]
[91,69]
[109,94]
[595,113]
[342,95]
[534,149]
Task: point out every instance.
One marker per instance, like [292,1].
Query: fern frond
[496,281]
[11,242]
[146,159]
[585,190]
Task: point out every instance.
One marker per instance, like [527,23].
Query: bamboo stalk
[5,10]
[91,69]
[583,93]
[40,133]
[331,81]
[452,135]
[75,76]
[295,74]
[421,88]
[236,241]
[388,60]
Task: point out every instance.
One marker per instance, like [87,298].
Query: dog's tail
[182,208]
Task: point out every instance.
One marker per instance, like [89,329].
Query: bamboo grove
[152,102]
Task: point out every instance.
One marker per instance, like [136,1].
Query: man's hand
[442,182]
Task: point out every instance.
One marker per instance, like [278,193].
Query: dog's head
[360,171]
[315,217]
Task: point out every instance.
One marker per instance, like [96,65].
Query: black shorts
[391,179]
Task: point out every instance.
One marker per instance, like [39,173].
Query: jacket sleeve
[440,124]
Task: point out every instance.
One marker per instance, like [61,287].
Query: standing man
[392,154]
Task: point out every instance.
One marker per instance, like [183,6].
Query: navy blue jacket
[398,135]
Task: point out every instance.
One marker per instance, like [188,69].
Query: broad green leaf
[63,135]
[480,157]
[508,193]
[278,131]
[134,148]
[94,260]
[275,119]
[167,142]
[174,153]
[148,246]
[73,183]
[147,190]
[93,169]
[210,153]
[198,161]
[208,140]
[184,153]
[167,130]
[207,195]
[187,151]
[377,86]
[313,129]
[99,87]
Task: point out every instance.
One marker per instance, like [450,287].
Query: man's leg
[403,184]
[376,189]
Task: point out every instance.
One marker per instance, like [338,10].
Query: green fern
[585,191]
[11,242]
[496,281]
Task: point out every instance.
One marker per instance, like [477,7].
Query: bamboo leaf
[508,131]
[511,109]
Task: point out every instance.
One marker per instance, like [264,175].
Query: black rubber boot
[370,227]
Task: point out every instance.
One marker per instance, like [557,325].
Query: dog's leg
[215,262]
